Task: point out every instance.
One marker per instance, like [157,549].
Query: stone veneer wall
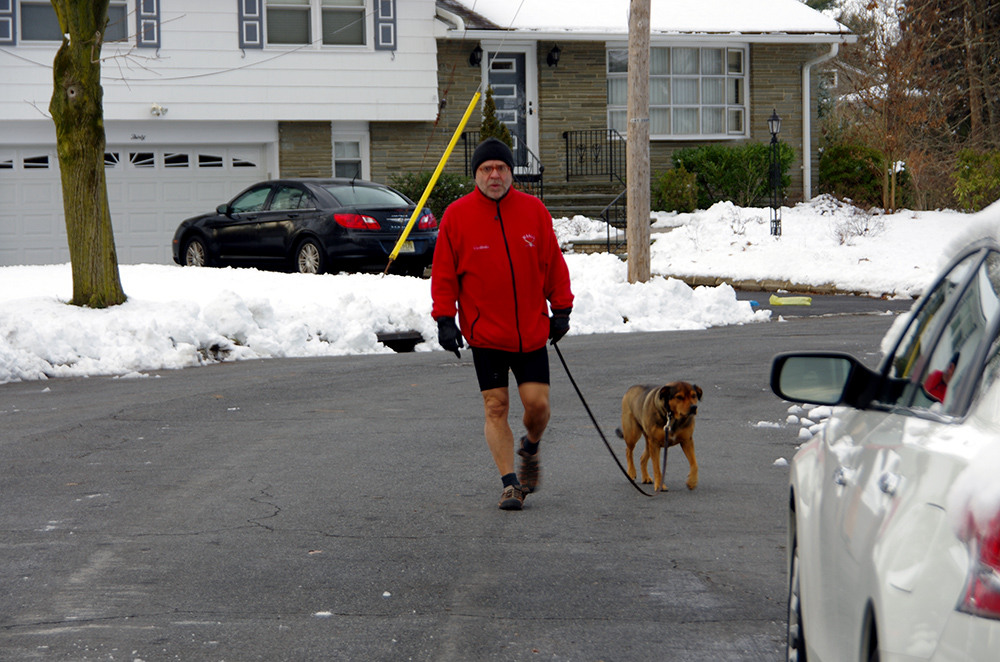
[305,149]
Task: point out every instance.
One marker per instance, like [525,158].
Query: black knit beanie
[492,149]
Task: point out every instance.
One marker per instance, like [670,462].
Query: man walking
[497,264]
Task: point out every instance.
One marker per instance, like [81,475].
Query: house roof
[609,18]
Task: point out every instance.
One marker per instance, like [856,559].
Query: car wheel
[796,642]
[309,258]
[195,254]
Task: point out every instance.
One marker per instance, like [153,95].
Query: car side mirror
[822,378]
[223,209]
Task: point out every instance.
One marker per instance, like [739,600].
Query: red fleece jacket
[500,263]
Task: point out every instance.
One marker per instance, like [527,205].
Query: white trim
[660,37]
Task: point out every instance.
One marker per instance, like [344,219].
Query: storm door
[513,92]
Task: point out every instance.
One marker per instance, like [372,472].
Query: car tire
[195,254]
[309,258]
[415,270]
[796,641]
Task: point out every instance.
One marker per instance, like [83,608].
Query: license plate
[407,247]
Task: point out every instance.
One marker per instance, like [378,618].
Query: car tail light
[427,222]
[357,222]
[982,593]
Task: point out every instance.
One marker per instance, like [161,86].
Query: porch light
[476,56]
[552,59]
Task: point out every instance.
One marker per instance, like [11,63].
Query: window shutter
[251,23]
[147,18]
[385,25]
[8,14]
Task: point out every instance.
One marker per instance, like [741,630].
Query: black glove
[448,335]
[559,324]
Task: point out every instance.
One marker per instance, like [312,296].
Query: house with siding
[202,99]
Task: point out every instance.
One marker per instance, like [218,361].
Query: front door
[510,71]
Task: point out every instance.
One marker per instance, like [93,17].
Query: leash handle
[594,421]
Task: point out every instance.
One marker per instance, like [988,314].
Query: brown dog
[664,415]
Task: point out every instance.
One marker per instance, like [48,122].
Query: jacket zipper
[513,279]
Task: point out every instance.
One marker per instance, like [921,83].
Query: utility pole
[637,145]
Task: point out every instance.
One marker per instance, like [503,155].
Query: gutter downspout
[807,118]
[450,17]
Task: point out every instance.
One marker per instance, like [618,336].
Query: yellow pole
[433,181]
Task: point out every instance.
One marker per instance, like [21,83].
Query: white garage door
[150,191]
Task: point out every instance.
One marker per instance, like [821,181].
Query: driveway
[345,509]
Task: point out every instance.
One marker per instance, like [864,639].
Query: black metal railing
[528,169]
[616,217]
[595,152]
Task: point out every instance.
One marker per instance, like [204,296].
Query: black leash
[594,421]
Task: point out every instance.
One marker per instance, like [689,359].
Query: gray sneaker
[512,498]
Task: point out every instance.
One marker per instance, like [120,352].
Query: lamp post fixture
[774,126]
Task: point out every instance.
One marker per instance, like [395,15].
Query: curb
[770,285]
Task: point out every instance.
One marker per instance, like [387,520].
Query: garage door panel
[40,195]
[146,255]
[143,192]
[116,191]
[42,225]
[143,227]
[8,194]
[45,255]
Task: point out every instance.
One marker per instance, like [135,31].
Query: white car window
[910,357]
[989,383]
[953,357]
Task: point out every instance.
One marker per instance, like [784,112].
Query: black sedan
[310,226]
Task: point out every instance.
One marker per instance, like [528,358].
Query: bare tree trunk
[78,114]
[972,72]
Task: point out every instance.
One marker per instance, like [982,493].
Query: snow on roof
[666,16]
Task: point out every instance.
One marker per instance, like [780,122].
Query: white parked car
[893,530]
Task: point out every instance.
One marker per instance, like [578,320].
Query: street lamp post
[774,126]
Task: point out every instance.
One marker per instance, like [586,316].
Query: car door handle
[888,483]
[840,476]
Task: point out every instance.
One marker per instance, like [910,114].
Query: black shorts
[493,366]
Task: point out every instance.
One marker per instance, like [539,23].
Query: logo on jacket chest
[529,240]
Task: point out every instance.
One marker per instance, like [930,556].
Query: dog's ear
[697,389]
[667,392]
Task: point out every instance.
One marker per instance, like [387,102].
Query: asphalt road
[345,509]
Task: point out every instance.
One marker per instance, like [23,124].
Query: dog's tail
[618,431]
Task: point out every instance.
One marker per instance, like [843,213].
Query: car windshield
[365,195]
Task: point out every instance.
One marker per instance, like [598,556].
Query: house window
[694,92]
[347,158]
[39,23]
[326,22]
